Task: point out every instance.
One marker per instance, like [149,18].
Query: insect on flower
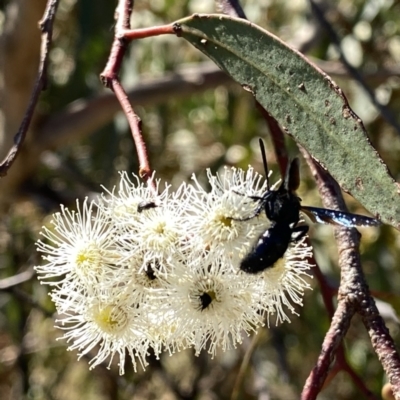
[146,205]
[282,207]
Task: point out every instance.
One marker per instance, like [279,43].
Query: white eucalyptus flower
[158,233]
[108,322]
[80,247]
[144,270]
[221,220]
[214,305]
[125,202]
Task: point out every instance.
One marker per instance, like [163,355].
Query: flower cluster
[141,270]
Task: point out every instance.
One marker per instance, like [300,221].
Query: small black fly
[146,205]
[282,207]
[205,300]
[151,270]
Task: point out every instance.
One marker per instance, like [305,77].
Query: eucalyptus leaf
[308,105]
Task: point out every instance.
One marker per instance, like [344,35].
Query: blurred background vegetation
[193,119]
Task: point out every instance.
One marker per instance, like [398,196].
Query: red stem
[332,341]
[109,77]
[148,32]
[135,125]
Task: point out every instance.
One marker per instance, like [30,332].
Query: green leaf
[307,104]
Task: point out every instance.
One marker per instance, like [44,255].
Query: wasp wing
[333,217]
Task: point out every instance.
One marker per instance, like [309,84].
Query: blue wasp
[282,207]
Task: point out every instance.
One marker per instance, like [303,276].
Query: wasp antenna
[264,158]
[292,179]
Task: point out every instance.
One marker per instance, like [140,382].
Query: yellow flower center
[110,318]
[205,294]
[88,259]
[225,221]
[160,236]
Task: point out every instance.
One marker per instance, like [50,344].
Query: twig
[327,293]
[385,112]
[46,26]
[147,32]
[381,340]
[135,124]
[344,311]
[110,78]
[8,283]
[244,365]
[354,296]
[333,338]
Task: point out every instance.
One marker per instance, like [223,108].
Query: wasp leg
[299,232]
[257,211]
